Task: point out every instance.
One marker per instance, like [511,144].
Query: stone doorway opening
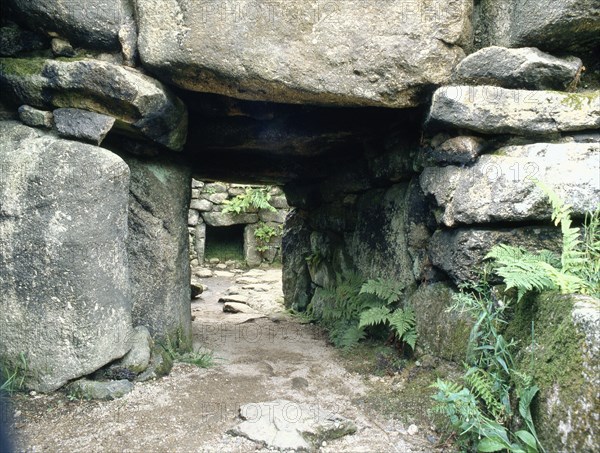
[235,223]
[224,243]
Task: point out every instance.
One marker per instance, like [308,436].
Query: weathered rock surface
[201,205]
[14,40]
[345,53]
[566,366]
[233,307]
[252,256]
[200,241]
[141,105]
[460,253]
[458,150]
[219,219]
[82,125]
[160,365]
[193,217]
[238,299]
[34,117]
[158,248]
[527,68]
[99,390]
[272,216]
[295,250]
[495,110]
[286,425]
[377,246]
[62,48]
[552,25]
[65,292]
[138,357]
[92,24]
[441,333]
[500,186]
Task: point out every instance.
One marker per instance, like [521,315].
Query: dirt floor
[259,357]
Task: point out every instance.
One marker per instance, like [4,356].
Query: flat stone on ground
[234,307]
[286,425]
[234,298]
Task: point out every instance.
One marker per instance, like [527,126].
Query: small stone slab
[138,358]
[219,273]
[34,117]
[234,298]
[197,289]
[246,280]
[527,68]
[82,124]
[95,390]
[286,425]
[234,307]
[201,205]
[494,110]
[260,287]
[203,273]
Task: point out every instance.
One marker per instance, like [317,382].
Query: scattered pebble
[412,430]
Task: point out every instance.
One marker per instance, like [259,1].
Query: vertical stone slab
[295,248]
[65,305]
[159,249]
[378,245]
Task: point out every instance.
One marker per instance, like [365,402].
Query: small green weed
[13,377]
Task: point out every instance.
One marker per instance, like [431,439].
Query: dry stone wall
[407,137]
[206,208]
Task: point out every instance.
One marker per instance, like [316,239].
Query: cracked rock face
[493,110]
[527,67]
[65,301]
[286,425]
[143,106]
[94,24]
[500,186]
[352,53]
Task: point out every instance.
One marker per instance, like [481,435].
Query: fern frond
[521,269]
[349,337]
[482,386]
[447,387]
[410,338]
[388,290]
[373,316]
[402,321]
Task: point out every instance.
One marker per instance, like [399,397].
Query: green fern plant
[254,197]
[575,271]
[388,290]
[351,306]
[480,411]
[401,321]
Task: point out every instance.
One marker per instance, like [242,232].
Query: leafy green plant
[481,410]
[264,234]
[348,310]
[577,269]
[401,321]
[254,197]
[13,376]
[202,359]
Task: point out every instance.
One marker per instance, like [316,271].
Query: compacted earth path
[260,356]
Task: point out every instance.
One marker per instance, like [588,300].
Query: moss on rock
[558,353]
[441,333]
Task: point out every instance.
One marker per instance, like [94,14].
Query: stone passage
[223,223]
[406,137]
